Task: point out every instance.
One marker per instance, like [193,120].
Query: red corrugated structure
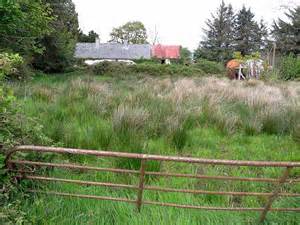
[166,51]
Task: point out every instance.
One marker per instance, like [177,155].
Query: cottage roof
[112,51]
[166,51]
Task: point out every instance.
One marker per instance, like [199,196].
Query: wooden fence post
[141,185]
[275,193]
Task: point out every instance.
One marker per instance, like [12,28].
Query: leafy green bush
[11,133]
[109,68]
[289,68]
[161,69]
[210,67]
[12,66]
[149,68]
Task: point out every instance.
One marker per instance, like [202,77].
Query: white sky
[176,21]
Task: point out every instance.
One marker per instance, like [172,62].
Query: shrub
[149,68]
[289,68]
[12,66]
[210,67]
[15,128]
[161,69]
[110,68]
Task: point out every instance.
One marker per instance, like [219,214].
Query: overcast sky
[176,21]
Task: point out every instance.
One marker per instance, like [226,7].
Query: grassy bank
[201,117]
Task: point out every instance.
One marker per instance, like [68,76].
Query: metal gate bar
[13,165]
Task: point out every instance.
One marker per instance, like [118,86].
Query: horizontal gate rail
[162,203]
[18,166]
[113,170]
[153,157]
[153,188]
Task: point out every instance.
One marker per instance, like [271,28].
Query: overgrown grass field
[203,117]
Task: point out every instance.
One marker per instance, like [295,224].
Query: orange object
[233,64]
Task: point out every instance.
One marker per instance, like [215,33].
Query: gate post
[141,185]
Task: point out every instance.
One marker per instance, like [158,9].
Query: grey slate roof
[112,51]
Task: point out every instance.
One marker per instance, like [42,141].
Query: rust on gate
[16,165]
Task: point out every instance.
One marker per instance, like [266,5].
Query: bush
[210,67]
[161,69]
[110,68]
[12,66]
[289,68]
[11,133]
[149,68]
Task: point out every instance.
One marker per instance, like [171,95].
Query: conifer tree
[250,36]
[219,36]
[287,34]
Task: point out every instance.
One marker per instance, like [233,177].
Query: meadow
[206,117]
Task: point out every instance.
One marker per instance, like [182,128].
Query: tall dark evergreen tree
[60,44]
[218,36]
[287,34]
[249,35]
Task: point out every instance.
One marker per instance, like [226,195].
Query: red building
[166,51]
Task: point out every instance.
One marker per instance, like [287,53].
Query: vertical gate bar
[275,193]
[141,185]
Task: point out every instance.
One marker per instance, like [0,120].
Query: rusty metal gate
[15,164]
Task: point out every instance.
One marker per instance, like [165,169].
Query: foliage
[289,68]
[90,38]
[9,64]
[109,68]
[60,43]
[253,55]
[13,66]
[209,67]
[218,42]
[7,67]
[152,68]
[185,56]
[161,70]
[249,35]
[228,32]
[12,132]
[22,22]
[286,34]
[131,33]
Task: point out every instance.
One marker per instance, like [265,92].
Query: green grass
[168,116]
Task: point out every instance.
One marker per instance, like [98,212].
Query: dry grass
[254,105]
[233,106]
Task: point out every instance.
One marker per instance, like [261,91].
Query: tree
[131,33]
[90,38]
[219,36]
[249,35]
[60,43]
[185,56]
[287,34]
[22,22]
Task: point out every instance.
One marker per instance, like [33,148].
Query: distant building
[166,51]
[117,51]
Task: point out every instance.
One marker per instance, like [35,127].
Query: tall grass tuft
[128,126]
